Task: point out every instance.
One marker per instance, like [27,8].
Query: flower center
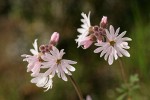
[39,57]
[112,43]
[58,61]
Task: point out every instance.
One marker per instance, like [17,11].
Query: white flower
[114,46]
[43,81]
[34,62]
[56,64]
[85,28]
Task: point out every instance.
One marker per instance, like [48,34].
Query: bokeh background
[22,21]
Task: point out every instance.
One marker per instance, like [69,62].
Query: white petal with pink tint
[34,63]
[43,81]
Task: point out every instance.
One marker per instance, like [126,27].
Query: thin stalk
[76,87]
[122,71]
[124,77]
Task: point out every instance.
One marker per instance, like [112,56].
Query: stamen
[112,43]
[39,57]
[58,61]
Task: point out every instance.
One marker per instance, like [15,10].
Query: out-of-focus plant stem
[76,87]
[122,71]
[124,76]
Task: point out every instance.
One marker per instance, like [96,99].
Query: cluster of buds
[99,31]
[53,41]
[45,48]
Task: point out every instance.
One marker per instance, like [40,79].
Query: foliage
[127,90]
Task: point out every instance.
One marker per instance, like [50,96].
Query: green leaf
[119,90]
[123,86]
[121,97]
[135,87]
[134,78]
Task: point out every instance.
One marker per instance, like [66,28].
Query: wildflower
[34,61]
[56,64]
[84,30]
[89,34]
[114,46]
[43,81]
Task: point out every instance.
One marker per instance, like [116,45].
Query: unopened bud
[103,22]
[54,38]
[45,48]
[96,29]
[42,47]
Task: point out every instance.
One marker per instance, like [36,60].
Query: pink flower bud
[86,43]
[88,97]
[54,38]
[103,22]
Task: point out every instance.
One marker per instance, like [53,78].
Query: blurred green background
[21,21]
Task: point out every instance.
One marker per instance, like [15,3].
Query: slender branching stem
[76,87]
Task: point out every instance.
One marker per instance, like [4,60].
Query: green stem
[76,87]
[124,77]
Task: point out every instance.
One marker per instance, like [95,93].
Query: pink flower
[34,61]
[115,45]
[54,38]
[56,64]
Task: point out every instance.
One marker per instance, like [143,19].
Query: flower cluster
[110,43]
[50,58]
[47,61]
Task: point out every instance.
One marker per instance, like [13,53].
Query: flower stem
[124,77]
[122,71]
[76,87]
